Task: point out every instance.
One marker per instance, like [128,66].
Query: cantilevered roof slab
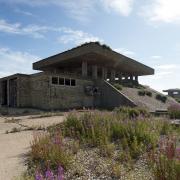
[94,53]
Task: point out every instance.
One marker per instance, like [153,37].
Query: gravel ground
[14,145]
[89,165]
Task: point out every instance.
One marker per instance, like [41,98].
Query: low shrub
[48,152]
[141,93]
[103,129]
[123,135]
[161,98]
[148,93]
[165,161]
[145,93]
[129,112]
[174,111]
[118,86]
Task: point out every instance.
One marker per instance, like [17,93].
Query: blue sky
[148,31]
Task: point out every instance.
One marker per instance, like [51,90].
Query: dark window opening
[73,82]
[61,81]
[67,82]
[54,80]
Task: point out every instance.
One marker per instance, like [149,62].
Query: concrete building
[175,93]
[80,77]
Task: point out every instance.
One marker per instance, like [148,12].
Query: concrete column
[84,68]
[113,74]
[131,77]
[126,77]
[136,78]
[104,73]
[120,77]
[94,71]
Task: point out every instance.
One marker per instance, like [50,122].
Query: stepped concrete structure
[77,78]
[175,93]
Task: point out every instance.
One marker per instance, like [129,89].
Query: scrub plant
[174,111]
[48,152]
[165,161]
[124,135]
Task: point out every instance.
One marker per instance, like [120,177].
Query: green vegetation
[165,162]
[174,111]
[161,98]
[120,137]
[143,93]
[118,86]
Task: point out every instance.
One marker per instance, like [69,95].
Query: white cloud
[68,35]
[24,12]
[168,67]
[35,31]
[124,51]
[167,11]
[123,7]
[76,37]
[156,57]
[15,62]
[166,76]
[81,9]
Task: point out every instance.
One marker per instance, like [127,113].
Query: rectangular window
[61,81]
[54,80]
[67,82]
[73,82]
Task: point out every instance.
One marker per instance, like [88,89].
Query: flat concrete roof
[172,90]
[94,53]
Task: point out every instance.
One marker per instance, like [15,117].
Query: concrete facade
[175,93]
[74,79]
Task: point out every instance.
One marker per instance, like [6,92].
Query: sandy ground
[13,146]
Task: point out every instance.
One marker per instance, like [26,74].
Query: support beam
[104,73]
[84,68]
[94,71]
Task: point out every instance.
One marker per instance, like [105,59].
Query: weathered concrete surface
[14,145]
[151,103]
[111,97]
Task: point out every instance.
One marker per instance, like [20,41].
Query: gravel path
[14,145]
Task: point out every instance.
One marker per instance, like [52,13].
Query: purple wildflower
[60,173]
[178,153]
[38,176]
[49,175]
[57,139]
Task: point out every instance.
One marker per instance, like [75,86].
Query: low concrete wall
[112,97]
[45,95]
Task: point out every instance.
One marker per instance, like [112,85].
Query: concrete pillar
[94,71]
[104,73]
[113,74]
[131,77]
[136,78]
[126,77]
[84,68]
[120,77]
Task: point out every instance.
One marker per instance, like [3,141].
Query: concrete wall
[38,92]
[24,91]
[111,97]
